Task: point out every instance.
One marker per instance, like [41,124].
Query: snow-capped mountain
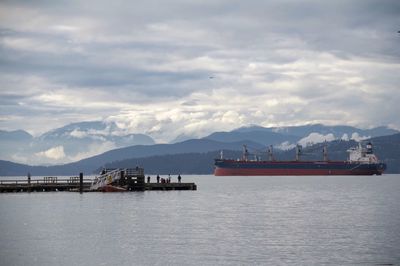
[287,137]
[69,143]
[77,141]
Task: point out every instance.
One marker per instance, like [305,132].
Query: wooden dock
[45,184]
[79,184]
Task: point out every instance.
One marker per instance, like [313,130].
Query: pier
[49,183]
[80,184]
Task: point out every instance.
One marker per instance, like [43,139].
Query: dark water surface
[351,220]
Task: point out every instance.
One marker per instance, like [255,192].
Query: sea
[240,220]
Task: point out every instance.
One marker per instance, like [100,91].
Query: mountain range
[305,135]
[78,141]
[190,156]
[70,143]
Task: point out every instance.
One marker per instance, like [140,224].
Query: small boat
[110,188]
[117,180]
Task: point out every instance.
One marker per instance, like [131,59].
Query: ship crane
[299,151]
[310,151]
[245,153]
[325,152]
[271,153]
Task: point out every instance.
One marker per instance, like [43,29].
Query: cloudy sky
[173,67]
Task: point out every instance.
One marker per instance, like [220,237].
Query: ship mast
[245,156]
[325,152]
[271,153]
[298,152]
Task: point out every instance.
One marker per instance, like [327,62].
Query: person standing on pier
[179,178]
[148,179]
[158,179]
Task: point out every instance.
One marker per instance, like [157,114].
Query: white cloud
[20,158]
[54,153]
[286,145]
[356,136]
[314,138]
[76,133]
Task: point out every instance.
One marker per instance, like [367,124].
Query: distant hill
[14,143]
[16,135]
[95,131]
[15,169]
[388,149]
[260,136]
[183,163]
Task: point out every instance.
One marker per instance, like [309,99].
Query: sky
[171,68]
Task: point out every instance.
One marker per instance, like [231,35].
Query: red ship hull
[266,168]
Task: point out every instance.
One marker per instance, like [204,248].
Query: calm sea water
[312,220]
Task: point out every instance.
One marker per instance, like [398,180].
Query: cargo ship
[361,161]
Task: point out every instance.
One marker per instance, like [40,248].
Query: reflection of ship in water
[362,161]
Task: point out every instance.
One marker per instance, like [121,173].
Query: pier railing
[45,180]
[48,183]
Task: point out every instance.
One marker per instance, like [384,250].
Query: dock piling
[80,182]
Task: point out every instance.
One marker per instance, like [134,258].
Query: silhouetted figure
[179,178]
[158,179]
[169,178]
[148,179]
